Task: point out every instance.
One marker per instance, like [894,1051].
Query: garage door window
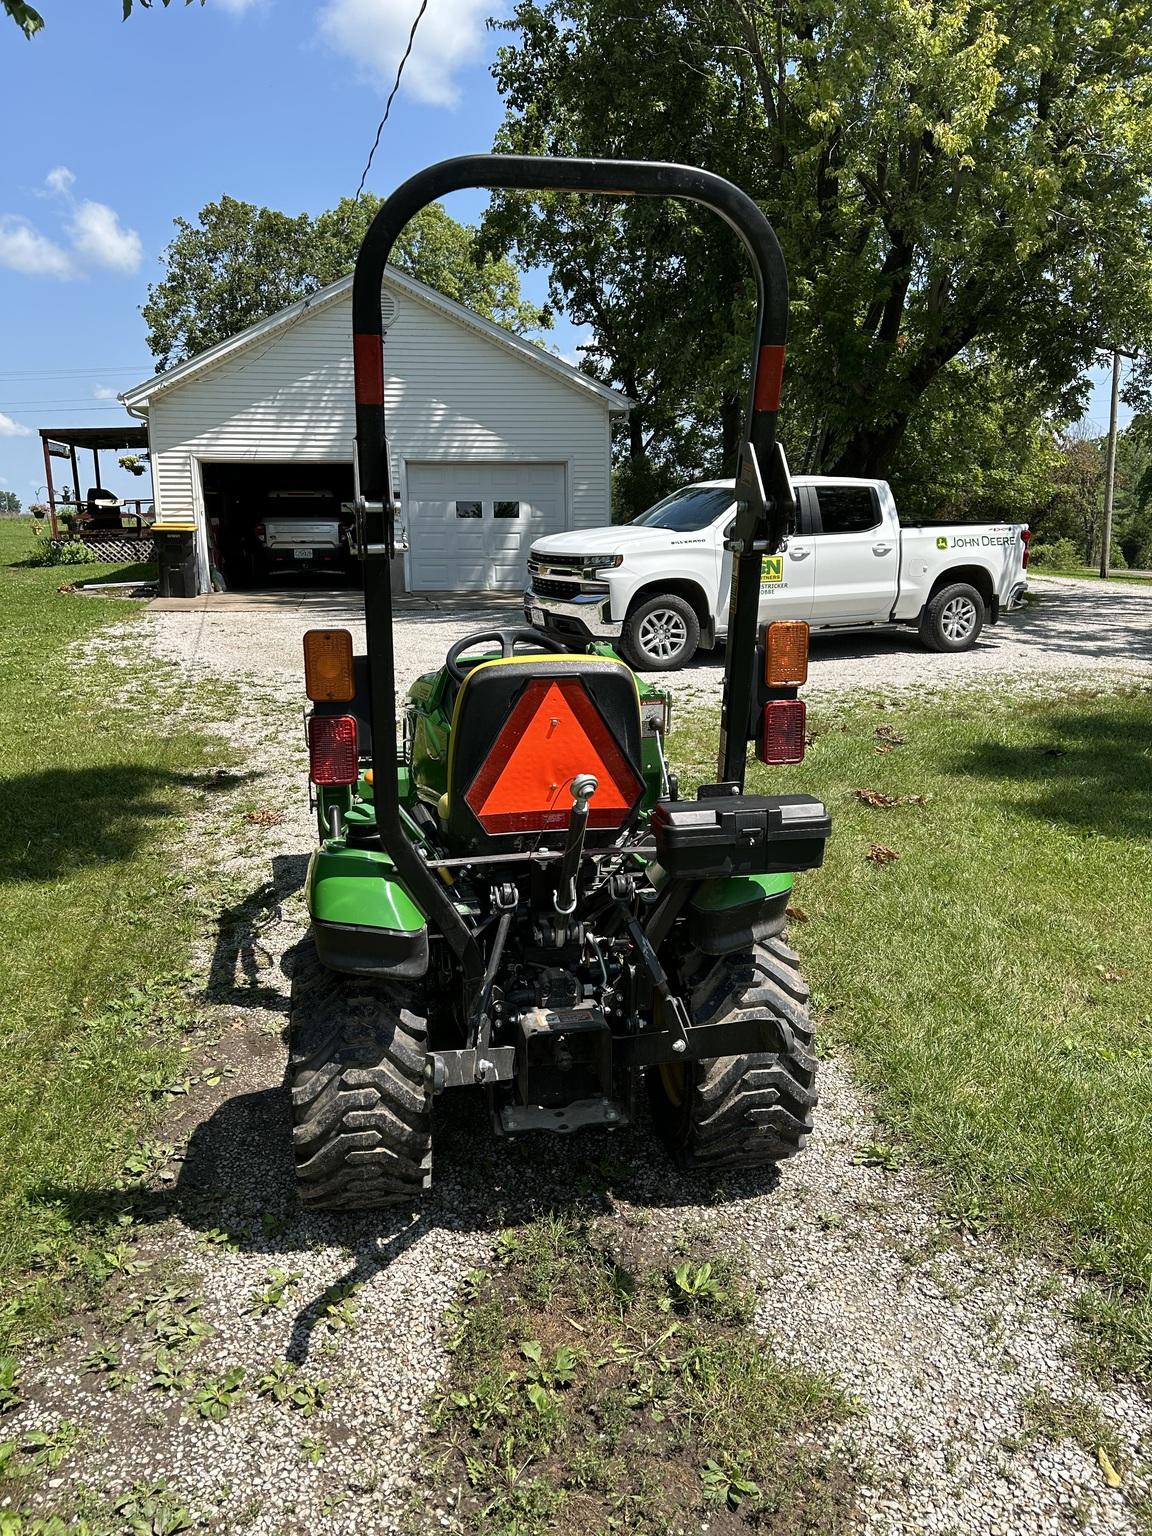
[469,509]
[505,509]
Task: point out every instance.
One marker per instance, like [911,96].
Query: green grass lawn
[94,912]
[1082,573]
[994,980]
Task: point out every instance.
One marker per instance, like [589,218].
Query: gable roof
[137,398]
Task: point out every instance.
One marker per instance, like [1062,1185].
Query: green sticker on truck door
[771,569]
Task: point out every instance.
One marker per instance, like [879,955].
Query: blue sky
[111,129]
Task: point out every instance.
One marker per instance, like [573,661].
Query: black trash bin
[176,555]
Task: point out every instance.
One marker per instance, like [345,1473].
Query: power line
[391,98]
[70,373]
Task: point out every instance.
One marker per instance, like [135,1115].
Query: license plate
[536,616]
[302,554]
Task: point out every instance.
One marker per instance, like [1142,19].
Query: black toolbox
[740,835]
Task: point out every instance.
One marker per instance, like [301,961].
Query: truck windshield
[687,511]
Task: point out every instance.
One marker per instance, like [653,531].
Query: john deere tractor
[513,898]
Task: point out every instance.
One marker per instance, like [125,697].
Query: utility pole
[1110,470]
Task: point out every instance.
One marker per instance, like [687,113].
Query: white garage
[494,441]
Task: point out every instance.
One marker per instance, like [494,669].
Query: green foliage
[10,1396]
[96,927]
[31,22]
[148,1509]
[9,504]
[725,1483]
[240,263]
[1059,555]
[954,196]
[693,1284]
[59,552]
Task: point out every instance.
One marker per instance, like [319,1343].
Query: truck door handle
[881,549]
[799,554]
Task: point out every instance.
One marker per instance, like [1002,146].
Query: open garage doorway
[275,525]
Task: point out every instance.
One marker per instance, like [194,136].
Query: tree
[239,263]
[30,22]
[9,504]
[948,187]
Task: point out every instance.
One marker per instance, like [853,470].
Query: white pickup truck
[658,587]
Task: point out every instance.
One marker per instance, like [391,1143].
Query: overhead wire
[391,99]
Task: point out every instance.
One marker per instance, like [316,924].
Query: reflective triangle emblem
[554,732]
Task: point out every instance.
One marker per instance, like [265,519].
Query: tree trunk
[871,451]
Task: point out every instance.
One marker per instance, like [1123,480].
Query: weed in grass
[148,1509]
[1048,1417]
[312,1450]
[169,1374]
[610,1400]
[277,1287]
[43,1450]
[340,1310]
[216,1397]
[727,1483]
[283,1383]
[10,1396]
[889,1155]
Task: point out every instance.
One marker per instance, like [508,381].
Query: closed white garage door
[470,526]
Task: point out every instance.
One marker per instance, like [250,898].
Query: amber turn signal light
[328,675]
[786,653]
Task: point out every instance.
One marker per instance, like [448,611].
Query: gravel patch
[941,1338]
[1069,629]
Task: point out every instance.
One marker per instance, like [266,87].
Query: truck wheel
[953,619]
[659,634]
[361,1118]
[742,1111]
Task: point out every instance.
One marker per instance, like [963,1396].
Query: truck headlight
[603,562]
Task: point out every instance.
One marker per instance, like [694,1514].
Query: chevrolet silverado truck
[303,531]
[657,587]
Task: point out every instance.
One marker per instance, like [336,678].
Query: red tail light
[782,728]
[332,751]
[259,532]
[1026,536]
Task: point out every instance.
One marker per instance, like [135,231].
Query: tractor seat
[522,729]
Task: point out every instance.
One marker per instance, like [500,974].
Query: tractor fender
[730,914]
[364,921]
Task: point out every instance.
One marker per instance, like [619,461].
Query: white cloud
[102,392]
[10,428]
[25,249]
[97,233]
[59,179]
[374,34]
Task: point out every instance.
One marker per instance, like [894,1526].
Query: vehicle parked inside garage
[303,531]
[658,587]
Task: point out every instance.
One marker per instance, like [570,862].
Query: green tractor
[514,898]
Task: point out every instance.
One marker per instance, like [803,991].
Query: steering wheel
[507,639]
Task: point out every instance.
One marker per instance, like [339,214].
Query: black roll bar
[762,518]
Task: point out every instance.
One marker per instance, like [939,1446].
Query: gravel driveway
[943,1339]
[1083,628]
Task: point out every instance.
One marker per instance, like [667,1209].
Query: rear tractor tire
[361,1117]
[742,1111]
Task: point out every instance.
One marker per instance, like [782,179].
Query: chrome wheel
[663,634]
[958,619]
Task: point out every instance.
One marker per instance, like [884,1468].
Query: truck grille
[546,588]
[576,562]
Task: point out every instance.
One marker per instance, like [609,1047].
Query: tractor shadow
[236,1176]
[242,947]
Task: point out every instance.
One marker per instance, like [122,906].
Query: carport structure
[102,516]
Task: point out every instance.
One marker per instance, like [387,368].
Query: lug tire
[660,634]
[361,1117]
[744,1111]
[953,619]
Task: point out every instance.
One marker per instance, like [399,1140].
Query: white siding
[453,394]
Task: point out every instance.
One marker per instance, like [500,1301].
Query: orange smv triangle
[554,732]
